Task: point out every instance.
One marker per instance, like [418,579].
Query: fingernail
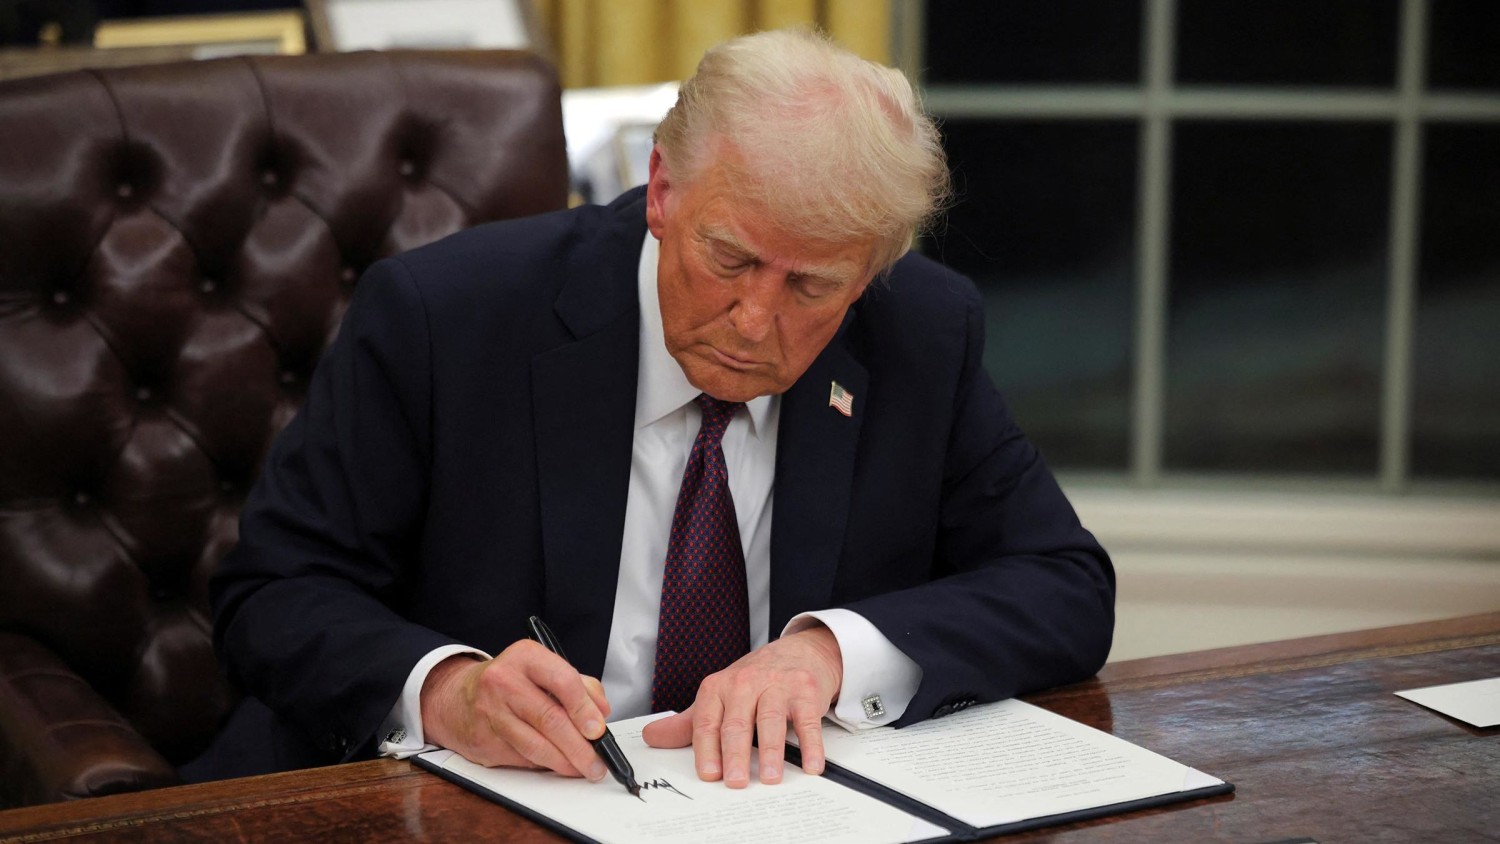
[813,766]
[772,771]
[597,771]
[736,773]
[708,768]
[592,729]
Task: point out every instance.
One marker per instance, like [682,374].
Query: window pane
[1033,41]
[1045,226]
[1277,304]
[1456,375]
[1463,44]
[1287,42]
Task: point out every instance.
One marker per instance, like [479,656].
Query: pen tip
[635,791]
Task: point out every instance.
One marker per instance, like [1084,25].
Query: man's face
[745,306]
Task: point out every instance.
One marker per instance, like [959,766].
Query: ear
[658,186]
[861,287]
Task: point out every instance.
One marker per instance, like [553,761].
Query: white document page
[1476,702]
[678,807]
[1007,762]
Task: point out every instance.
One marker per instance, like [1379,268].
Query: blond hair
[834,147]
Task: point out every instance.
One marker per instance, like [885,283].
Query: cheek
[805,340]
[688,303]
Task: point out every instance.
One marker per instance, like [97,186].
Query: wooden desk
[1308,730]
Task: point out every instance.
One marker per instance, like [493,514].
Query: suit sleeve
[305,614]
[1022,596]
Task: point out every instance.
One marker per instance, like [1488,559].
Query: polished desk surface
[1308,730]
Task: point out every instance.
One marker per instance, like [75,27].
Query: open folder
[1003,767]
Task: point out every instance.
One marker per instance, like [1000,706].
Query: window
[1231,239]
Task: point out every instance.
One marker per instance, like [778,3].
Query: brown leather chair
[177,245]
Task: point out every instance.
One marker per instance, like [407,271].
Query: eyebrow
[721,238]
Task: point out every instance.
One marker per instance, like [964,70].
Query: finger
[807,722]
[671,731]
[558,733]
[533,749]
[562,681]
[596,691]
[707,711]
[770,734]
[520,691]
[736,733]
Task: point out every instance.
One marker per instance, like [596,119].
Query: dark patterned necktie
[705,606]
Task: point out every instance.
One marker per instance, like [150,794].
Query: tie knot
[716,413]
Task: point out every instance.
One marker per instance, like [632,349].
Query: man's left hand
[791,680]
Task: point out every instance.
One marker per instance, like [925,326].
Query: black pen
[605,746]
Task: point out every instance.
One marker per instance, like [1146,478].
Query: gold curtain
[637,42]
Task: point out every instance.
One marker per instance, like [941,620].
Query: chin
[731,393]
[732,388]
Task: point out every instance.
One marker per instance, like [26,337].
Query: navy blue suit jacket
[462,459]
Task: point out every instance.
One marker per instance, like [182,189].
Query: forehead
[726,220]
[736,203]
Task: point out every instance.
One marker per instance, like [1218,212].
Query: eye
[814,287]
[729,262]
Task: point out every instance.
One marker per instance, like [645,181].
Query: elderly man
[736,449]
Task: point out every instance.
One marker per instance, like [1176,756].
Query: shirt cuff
[401,731]
[879,679]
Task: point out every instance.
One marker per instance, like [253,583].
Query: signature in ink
[662,785]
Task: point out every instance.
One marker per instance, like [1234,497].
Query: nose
[754,311]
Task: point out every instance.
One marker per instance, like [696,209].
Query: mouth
[729,361]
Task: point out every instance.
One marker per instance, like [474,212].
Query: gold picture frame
[18,62]
[343,25]
[210,36]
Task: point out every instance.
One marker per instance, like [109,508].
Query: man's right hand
[525,708]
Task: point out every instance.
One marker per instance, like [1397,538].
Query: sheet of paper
[1007,762]
[678,807]
[1476,702]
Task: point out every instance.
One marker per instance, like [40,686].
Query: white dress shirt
[666,423]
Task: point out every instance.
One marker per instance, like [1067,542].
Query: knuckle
[580,708]
[533,747]
[771,715]
[553,720]
[516,651]
[734,726]
[746,681]
[712,683]
[559,674]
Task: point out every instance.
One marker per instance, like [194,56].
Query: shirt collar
[661,387]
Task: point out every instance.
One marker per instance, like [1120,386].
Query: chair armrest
[59,739]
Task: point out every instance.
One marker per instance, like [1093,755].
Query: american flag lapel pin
[841,399]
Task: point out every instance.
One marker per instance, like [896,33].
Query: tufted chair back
[177,246]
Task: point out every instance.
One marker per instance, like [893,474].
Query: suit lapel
[815,452]
[584,415]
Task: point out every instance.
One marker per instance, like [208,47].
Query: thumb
[671,731]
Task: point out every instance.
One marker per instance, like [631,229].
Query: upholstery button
[288,378]
[226,486]
[143,394]
[81,499]
[125,190]
[160,594]
[60,297]
[347,275]
[208,285]
[407,167]
[269,178]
